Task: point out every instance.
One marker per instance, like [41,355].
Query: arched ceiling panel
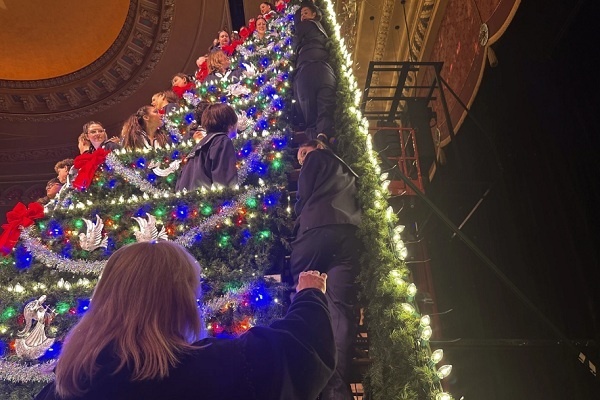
[47,39]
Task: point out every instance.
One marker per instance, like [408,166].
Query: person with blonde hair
[136,341]
[219,67]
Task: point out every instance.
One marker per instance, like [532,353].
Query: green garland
[401,366]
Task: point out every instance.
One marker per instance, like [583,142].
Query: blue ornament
[279,143]
[265,61]
[246,235]
[141,162]
[278,103]
[53,352]
[55,229]
[3,348]
[82,305]
[112,183]
[260,297]
[152,177]
[246,149]
[251,111]
[23,258]
[182,211]
[175,155]
[262,124]
[271,200]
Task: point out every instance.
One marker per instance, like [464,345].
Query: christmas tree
[238,235]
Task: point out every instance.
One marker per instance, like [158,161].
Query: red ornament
[88,164]
[21,319]
[244,32]
[18,216]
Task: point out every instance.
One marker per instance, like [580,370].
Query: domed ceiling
[58,37]
[65,62]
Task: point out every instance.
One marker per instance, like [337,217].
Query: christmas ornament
[93,239]
[148,231]
[34,342]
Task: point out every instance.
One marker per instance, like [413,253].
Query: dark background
[532,140]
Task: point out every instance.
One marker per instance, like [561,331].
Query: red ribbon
[18,216]
[179,91]
[88,164]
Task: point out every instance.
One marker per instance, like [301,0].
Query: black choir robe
[212,160]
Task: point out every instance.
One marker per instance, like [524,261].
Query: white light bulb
[411,290]
[408,308]
[427,332]
[444,371]
[437,356]
[443,396]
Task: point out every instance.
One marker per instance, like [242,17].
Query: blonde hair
[217,61]
[143,311]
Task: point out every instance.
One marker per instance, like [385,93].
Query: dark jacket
[211,161]
[310,41]
[327,193]
[291,359]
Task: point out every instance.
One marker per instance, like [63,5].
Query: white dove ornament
[173,166]
[148,231]
[93,238]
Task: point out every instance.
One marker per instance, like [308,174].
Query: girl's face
[223,38]
[153,117]
[158,101]
[178,81]
[261,25]
[306,14]
[96,133]
[83,146]
[264,8]
[62,174]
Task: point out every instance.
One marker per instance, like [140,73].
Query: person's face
[261,25]
[306,14]
[83,146]
[264,8]
[223,38]
[302,152]
[178,81]
[53,190]
[96,134]
[62,174]
[158,101]
[153,117]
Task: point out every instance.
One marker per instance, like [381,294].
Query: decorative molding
[49,153]
[118,73]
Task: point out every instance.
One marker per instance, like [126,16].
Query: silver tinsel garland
[132,177]
[53,260]
[16,372]
[188,238]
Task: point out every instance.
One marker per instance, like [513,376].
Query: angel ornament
[33,343]
[93,239]
[148,230]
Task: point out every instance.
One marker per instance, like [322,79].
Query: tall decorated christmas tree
[54,254]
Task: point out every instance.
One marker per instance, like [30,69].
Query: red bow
[87,164]
[180,90]
[18,216]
